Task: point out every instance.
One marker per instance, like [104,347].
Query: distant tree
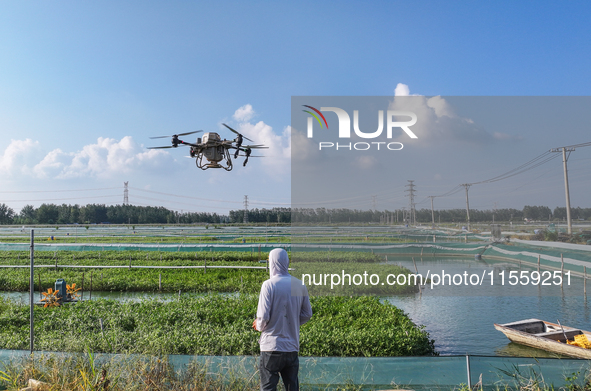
[28,215]
[47,214]
[537,212]
[6,214]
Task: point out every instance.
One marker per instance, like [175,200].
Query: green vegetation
[198,280]
[129,214]
[211,325]
[86,372]
[96,258]
[140,280]
[110,257]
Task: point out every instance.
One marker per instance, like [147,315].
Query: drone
[215,150]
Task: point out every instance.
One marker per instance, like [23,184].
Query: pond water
[23,297]
[460,318]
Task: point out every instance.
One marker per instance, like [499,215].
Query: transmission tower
[411,197]
[125,194]
[245,209]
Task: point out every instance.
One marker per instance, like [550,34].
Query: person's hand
[254,324]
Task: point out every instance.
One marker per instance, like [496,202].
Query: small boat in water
[549,336]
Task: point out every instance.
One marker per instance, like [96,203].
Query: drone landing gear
[213,164]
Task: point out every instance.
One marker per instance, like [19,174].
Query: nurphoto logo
[392,121]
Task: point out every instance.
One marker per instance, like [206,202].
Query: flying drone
[215,150]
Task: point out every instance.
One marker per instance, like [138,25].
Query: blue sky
[83,85]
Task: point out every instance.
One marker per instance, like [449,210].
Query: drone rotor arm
[237,133]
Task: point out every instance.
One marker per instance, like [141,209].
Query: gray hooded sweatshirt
[284,305]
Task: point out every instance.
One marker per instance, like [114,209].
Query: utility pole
[125,194]
[411,196]
[432,213]
[245,209]
[467,186]
[31,287]
[564,150]
[494,210]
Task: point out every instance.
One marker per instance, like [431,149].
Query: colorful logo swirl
[316,116]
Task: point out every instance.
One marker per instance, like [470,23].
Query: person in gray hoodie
[284,305]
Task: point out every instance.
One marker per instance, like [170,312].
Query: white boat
[546,336]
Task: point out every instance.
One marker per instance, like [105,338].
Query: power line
[535,162]
[175,202]
[57,191]
[207,199]
[529,165]
[64,199]
[182,196]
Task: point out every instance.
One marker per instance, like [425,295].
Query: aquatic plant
[212,325]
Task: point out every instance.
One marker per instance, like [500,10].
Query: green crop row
[258,238]
[139,280]
[59,237]
[111,257]
[318,277]
[212,325]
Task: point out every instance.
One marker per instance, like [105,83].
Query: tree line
[131,214]
[98,213]
[401,216]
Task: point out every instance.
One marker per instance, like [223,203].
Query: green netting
[375,373]
[403,248]
[266,247]
[574,260]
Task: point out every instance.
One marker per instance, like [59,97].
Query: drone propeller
[170,146]
[260,146]
[237,132]
[177,135]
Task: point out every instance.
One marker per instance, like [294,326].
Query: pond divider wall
[320,373]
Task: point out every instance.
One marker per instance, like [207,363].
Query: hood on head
[278,262]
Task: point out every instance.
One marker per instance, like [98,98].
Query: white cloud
[437,120]
[401,90]
[244,114]
[276,160]
[19,157]
[107,158]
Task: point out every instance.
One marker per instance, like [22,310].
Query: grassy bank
[89,372]
[85,372]
[96,258]
[168,280]
[212,325]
